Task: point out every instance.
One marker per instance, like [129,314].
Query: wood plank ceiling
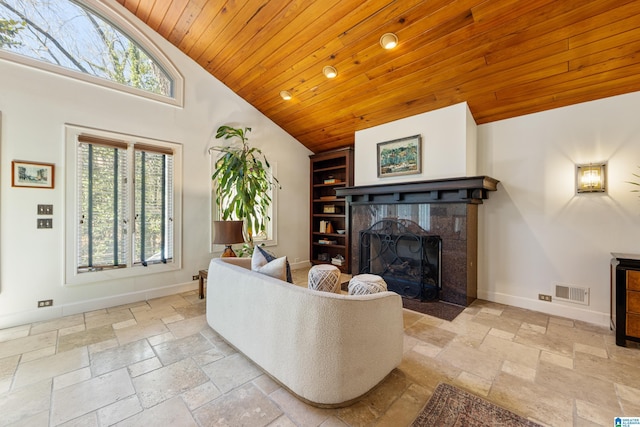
[504,57]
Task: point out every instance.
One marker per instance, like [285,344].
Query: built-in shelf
[331,165]
[331,168]
[324,245]
[331,184]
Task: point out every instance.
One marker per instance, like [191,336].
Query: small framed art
[400,157]
[32,175]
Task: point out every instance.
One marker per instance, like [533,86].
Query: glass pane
[64,33]
[102,200]
[153,240]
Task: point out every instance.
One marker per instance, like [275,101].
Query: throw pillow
[258,259]
[276,268]
[262,256]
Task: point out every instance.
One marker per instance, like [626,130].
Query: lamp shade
[227,232]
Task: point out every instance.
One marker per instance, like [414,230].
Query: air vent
[571,293]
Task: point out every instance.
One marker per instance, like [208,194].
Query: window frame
[133,269]
[130,27]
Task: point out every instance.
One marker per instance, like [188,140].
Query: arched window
[85,42]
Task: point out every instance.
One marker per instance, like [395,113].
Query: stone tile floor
[158,362]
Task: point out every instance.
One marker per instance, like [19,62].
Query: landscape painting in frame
[34,175]
[400,157]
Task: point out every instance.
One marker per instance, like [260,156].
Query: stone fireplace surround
[444,207]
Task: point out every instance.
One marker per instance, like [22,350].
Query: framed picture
[30,174]
[400,157]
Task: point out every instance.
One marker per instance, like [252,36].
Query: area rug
[439,309]
[451,407]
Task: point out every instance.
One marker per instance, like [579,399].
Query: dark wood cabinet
[625,297]
[329,213]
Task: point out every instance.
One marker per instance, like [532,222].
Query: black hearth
[404,255]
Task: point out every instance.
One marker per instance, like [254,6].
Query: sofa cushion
[261,257]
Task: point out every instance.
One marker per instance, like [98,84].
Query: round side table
[324,277]
[364,284]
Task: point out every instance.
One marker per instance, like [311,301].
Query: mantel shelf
[450,190]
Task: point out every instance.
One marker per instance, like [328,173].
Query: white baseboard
[56,311]
[555,309]
[299,265]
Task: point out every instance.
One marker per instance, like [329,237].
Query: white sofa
[328,349]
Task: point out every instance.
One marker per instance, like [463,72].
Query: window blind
[106,238]
[153,205]
[102,206]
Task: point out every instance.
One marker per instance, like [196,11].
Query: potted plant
[243,179]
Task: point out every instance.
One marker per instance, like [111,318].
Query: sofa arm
[241,262]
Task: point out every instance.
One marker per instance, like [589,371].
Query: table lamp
[227,233]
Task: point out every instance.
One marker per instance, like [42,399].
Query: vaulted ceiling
[505,58]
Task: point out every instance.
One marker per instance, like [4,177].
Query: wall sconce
[329,72]
[389,41]
[591,178]
[286,95]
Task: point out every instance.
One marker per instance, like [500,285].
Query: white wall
[535,230]
[448,145]
[35,105]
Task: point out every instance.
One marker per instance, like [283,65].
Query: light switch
[45,223]
[45,209]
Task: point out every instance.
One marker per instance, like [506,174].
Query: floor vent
[572,294]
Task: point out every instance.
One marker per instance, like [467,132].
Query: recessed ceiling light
[286,95]
[329,71]
[389,41]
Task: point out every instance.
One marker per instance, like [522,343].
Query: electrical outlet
[45,223]
[196,277]
[45,303]
[543,297]
[45,209]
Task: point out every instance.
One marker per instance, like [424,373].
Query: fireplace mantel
[452,215]
[472,190]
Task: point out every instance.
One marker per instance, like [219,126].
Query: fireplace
[444,213]
[404,255]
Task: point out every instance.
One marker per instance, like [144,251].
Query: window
[269,236]
[153,205]
[72,39]
[124,213]
[102,205]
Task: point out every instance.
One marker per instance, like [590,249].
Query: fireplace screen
[404,255]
